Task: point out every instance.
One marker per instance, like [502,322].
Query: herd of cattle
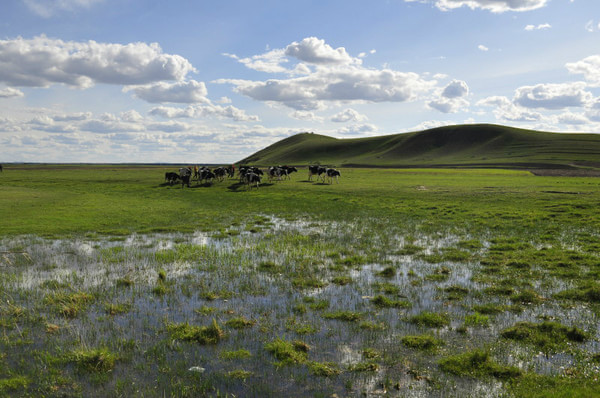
[249,175]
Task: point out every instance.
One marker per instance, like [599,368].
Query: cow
[331,173]
[171,177]
[185,173]
[316,170]
[230,171]
[206,175]
[275,172]
[220,172]
[287,170]
[1,169]
[251,178]
[243,170]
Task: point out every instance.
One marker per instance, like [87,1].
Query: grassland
[399,282]
[476,145]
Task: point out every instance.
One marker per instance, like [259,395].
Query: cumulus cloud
[553,96]
[78,116]
[306,116]
[573,119]
[179,92]
[10,92]
[49,8]
[202,111]
[269,62]
[588,67]
[41,62]
[455,89]
[358,129]
[452,98]
[348,115]
[481,47]
[315,51]
[331,75]
[496,6]
[506,110]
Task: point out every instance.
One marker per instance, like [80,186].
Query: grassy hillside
[479,145]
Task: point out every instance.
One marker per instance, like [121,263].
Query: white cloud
[358,129]
[451,98]
[179,92]
[269,62]
[456,89]
[553,96]
[337,78]
[538,27]
[481,47]
[306,116]
[496,6]
[202,111]
[590,26]
[348,115]
[10,92]
[506,110]
[72,117]
[316,51]
[589,67]
[41,62]
[571,118]
[49,8]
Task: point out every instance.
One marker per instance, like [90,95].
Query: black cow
[331,173]
[1,168]
[185,173]
[171,177]
[316,170]
[251,178]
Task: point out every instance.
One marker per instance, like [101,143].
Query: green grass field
[420,282]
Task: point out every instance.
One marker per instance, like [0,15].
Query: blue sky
[206,82]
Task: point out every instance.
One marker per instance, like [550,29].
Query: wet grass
[368,288]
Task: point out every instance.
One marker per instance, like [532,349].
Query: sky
[196,81]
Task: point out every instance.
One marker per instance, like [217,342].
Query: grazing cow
[230,171]
[171,177]
[288,170]
[331,173]
[220,172]
[185,173]
[316,170]
[251,178]
[275,172]
[243,170]
[206,175]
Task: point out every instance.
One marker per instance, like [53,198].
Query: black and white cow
[171,177]
[206,175]
[331,174]
[251,178]
[316,170]
[287,170]
[220,173]
[185,173]
[275,172]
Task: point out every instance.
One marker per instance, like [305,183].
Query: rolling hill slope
[477,145]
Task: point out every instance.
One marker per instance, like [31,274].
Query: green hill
[476,145]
